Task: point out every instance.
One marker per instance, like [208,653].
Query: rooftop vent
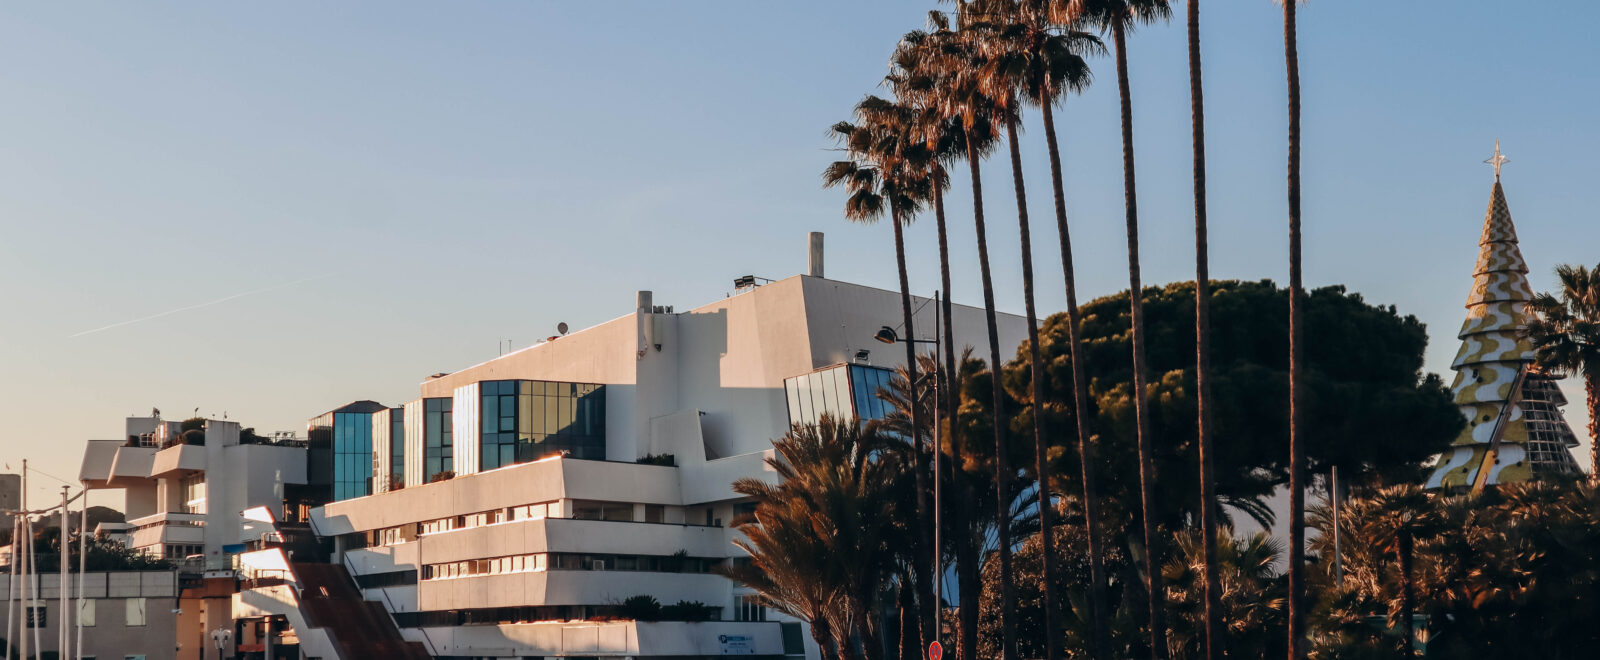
[814,254]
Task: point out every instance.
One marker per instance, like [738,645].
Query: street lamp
[889,335]
[221,636]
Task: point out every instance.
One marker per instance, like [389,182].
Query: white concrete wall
[618,639]
[527,483]
[381,449]
[416,428]
[569,535]
[569,588]
[465,428]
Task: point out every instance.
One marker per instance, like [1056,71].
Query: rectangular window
[135,611]
[194,493]
[749,608]
[86,610]
[587,510]
[655,513]
[38,616]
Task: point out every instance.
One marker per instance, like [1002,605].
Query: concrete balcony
[167,527]
[178,458]
[173,518]
[130,464]
[610,639]
[574,535]
[564,587]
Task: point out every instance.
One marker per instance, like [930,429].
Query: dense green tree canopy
[1372,411]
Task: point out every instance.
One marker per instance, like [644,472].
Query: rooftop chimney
[814,254]
[646,302]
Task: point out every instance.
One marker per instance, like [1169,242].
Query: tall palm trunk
[924,584]
[1154,588]
[1080,404]
[1591,391]
[822,634]
[1002,466]
[1040,449]
[1202,344]
[971,583]
[1407,593]
[950,398]
[1297,532]
[906,605]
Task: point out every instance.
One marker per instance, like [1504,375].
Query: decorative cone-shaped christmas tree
[1515,431]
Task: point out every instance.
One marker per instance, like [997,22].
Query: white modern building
[184,489]
[517,504]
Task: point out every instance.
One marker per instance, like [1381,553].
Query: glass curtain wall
[841,391]
[397,447]
[352,455]
[438,447]
[526,420]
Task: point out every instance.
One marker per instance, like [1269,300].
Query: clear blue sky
[456,174]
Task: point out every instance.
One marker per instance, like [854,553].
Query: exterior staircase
[360,628]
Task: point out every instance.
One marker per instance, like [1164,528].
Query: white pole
[64,542]
[12,586]
[27,538]
[30,590]
[83,559]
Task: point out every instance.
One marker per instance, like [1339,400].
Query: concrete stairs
[360,628]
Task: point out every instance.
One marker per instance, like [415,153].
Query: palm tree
[1566,339]
[1026,59]
[1250,600]
[1118,17]
[888,169]
[835,500]
[1297,504]
[1202,343]
[954,58]
[1057,66]
[788,568]
[914,83]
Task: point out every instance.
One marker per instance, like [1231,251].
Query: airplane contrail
[205,304]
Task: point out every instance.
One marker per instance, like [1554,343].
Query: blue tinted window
[352,455]
[524,421]
[843,391]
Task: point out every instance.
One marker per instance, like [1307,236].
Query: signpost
[935,651]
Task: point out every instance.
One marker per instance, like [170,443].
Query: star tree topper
[1497,160]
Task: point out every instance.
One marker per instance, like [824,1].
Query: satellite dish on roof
[561,328]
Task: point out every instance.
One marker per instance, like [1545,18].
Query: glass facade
[842,391]
[526,420]
[397,447]
[438,447]
[352,455]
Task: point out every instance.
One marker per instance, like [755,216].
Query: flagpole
[83,559]
[30,589]
[12,586]
[27,539]
[64,544]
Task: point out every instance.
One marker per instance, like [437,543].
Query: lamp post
[888,335]
[221,637]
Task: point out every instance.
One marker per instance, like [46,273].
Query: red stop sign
[935,651]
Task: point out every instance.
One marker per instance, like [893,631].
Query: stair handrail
[388,605]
